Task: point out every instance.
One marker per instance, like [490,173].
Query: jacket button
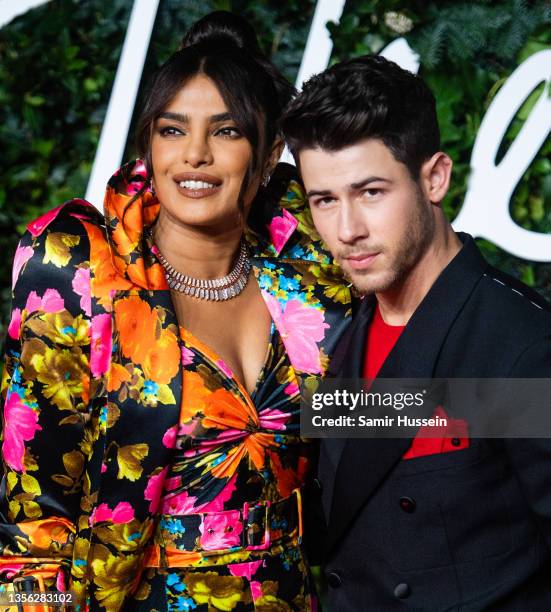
[317,484]
[333,580]
[402,590]
[456,442]
[407,504]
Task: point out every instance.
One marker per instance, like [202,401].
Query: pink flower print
[103,468]
[140,169]
[291,389]
[179,503]
[33,302]
[225,368]
[220,530]
[20,426]
[101,344]
[270,418]
[169,438]
[139,176]
[81,286]
[301,328]
[100,514]
[52,301]
[9,571]
[154,489]
[256,589]
[15,324]
[217,504]
[37,226]
[187,356]
[22,256]
[245,570]
[281,228]
[173,483]
[123,513]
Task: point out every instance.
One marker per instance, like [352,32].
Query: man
[416,524]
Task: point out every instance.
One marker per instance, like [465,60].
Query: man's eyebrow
[368,180]
[314,192]
[181,118]
[353,186]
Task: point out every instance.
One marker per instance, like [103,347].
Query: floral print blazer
[92,379]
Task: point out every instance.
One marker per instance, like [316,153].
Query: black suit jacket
[475,533]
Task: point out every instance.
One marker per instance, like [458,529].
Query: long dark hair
[223,47]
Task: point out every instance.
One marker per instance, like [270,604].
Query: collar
[130,206]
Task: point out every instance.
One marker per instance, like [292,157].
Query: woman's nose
[197,151]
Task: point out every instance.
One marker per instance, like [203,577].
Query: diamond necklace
[216,289]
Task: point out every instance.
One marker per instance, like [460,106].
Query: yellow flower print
[125,537]
[61,328]
[270,603]
[129,458]
[222,592]
[63,372]
[57,248]
[110,574]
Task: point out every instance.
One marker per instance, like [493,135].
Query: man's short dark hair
[365,97]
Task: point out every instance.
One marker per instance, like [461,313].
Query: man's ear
[435,177]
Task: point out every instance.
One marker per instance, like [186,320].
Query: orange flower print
[162,360]
[136,323]
[194,395]
[224,410]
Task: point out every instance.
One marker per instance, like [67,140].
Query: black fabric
[479,537]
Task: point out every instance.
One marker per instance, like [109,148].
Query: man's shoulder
[513,297]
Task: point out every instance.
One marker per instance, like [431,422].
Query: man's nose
[351,224]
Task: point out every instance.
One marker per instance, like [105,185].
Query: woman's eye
[229,132]
[169,130]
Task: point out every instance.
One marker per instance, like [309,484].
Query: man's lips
[360,261]
[196,184]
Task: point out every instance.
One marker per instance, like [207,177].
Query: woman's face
[200,159]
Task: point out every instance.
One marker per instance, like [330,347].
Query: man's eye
[229,132]
[169,130]
[322,202]
[373,192]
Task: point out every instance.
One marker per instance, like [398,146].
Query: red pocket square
[433,440]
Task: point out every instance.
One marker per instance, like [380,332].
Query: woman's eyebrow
[182,118]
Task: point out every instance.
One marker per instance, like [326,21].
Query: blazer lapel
[148,405]
[415,355]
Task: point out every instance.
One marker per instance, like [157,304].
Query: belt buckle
[265,544]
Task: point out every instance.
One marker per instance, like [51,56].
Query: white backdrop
[485,211]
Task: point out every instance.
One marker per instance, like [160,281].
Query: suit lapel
[415,355]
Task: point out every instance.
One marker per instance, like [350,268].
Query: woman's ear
[275,155]
[435,177]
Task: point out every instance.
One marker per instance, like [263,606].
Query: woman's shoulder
[68,217]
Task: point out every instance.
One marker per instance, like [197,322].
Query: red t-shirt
[381,338]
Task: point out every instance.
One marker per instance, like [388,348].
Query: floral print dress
[137,472]
[232,448]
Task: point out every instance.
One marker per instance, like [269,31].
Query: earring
[152,187]
[266,178]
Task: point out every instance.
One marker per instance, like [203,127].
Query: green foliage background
[58,61]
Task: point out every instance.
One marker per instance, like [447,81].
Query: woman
[151,436]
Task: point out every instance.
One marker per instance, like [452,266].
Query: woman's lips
[362,261]
[197,185]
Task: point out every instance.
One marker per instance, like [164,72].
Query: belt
[184,539]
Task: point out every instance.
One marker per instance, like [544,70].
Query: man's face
[371,214]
